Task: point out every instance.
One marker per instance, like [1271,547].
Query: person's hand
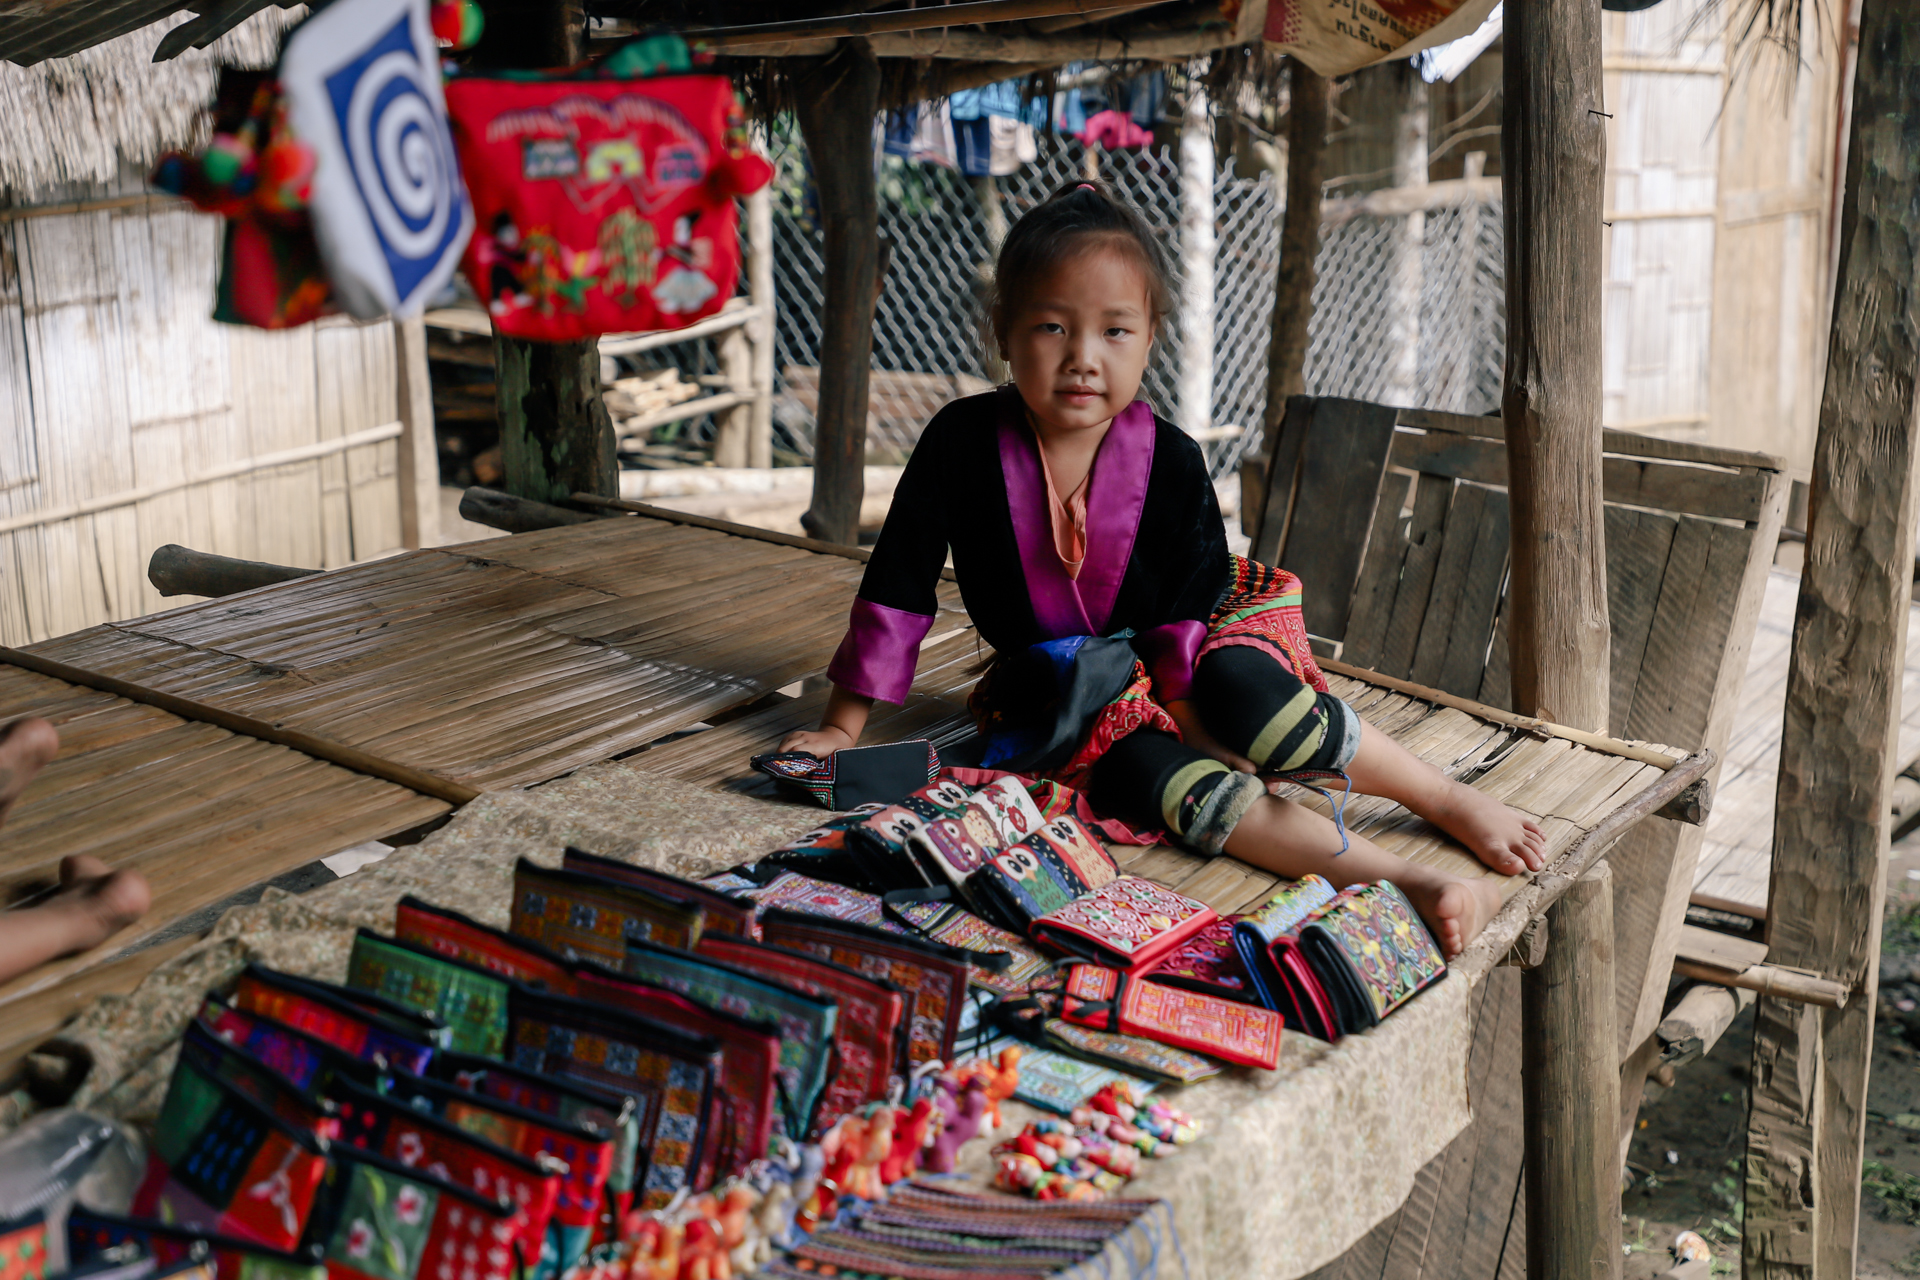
[821,742]
[1195,735]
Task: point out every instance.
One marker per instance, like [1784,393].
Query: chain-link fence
[938,225]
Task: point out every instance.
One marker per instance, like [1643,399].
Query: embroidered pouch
[1005,964]
[569,1101]
[1255,933]
[670,1076]
[821,854]
[806,1021]
[585,1151]
[869,1034]
[1006,809]
[1371,952]
[449,933]
[203,1051]
[791,891]
[224,1162]
[424,1141]
[855,775]
[470,1001]
[1025,881]
[308,1061]
[881,838]
[375,1219]
[725,913]
[745,1102]
[1109,1000]
[1207,963]
[948,852]
[935,976]
[365,1025]
[1134,1054]
[585,917]
[91,1234]
[1130,923]
[23,1247]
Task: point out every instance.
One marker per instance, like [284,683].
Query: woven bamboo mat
[505,662]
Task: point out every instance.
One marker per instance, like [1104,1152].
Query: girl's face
[1077,344]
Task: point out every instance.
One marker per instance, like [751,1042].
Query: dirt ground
[1684,1163]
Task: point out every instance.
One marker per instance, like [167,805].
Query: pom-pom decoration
[458,23]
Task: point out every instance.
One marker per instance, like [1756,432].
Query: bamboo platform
[1736,854]
[497,664]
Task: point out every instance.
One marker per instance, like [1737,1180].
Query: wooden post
[760,293]
[1308,99]
[1553,154]
[556,436]
[419,450]
[835,99]
[1409,171]
[1570,1081]
[1837,754]
[733,431]
[1194,386]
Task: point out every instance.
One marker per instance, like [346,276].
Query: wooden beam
[835,100]
[555,433]
[1553,148]
[1570,1080]
[1837,749]
[1308,102]
[969,13]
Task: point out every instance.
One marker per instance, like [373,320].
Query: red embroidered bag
[1108,1000]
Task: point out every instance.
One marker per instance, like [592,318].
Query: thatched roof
[81,117]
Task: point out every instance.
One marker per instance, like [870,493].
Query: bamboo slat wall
[1719,194]
[114,378]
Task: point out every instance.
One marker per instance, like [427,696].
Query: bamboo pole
[419,470]
[868,24]
[760,290]
[1553,145]
[1827,884]
[1571,1085]
[836,98]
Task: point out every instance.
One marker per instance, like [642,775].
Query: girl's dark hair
[1059,227]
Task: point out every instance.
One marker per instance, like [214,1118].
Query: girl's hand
[1195,735]
[821,742]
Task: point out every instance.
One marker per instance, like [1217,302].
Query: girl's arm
[840,725]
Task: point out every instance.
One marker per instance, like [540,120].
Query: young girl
[1136,659]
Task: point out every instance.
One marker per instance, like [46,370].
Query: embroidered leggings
[1253,704]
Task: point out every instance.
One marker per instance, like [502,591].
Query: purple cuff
[877,658]
[1170,652]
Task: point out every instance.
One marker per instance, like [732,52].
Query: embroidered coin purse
[469,1000]
[585,1151]
[855,775]
[934,975]
[823,853]
[1207,963]
[587,917]
[1129,923]
[868,1035]
[224,1162]
[376,1219]
[363,1024]
[749,1063]
[307,1061]
[1372,953]
[880,840]
[1109,1000]
[91,1234]
[449,933]
[725,913]
[1025,881]
[203,1051]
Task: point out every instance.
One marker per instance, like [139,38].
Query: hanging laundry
[1004,100]
[973,146]
[1145,98]
[1114,130]
[1012,145]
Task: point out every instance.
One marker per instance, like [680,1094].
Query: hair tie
[1087,186]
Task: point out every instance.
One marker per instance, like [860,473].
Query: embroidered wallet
[449,933]
[365,1025]
[1372,953]
[589,917]
[1128,923]
[855,775]
[725,913]
[1254,936]
[1109,1000]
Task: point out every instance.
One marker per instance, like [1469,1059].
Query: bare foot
[25,748]
[103,901]
[1455,910]
[1500,837]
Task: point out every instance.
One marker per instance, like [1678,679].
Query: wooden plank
[1379,582]
[1444,620]
[1463,668]
[1288,447]
[1828,883]
[1638,543]
[31,1019]
[1341,467]
[1629,443]
[1426,536]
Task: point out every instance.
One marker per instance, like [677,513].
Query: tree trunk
[1553,149]
[1837,749]
[835,100]
[1409,170]
[556,436]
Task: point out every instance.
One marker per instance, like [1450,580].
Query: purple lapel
[1115,495]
